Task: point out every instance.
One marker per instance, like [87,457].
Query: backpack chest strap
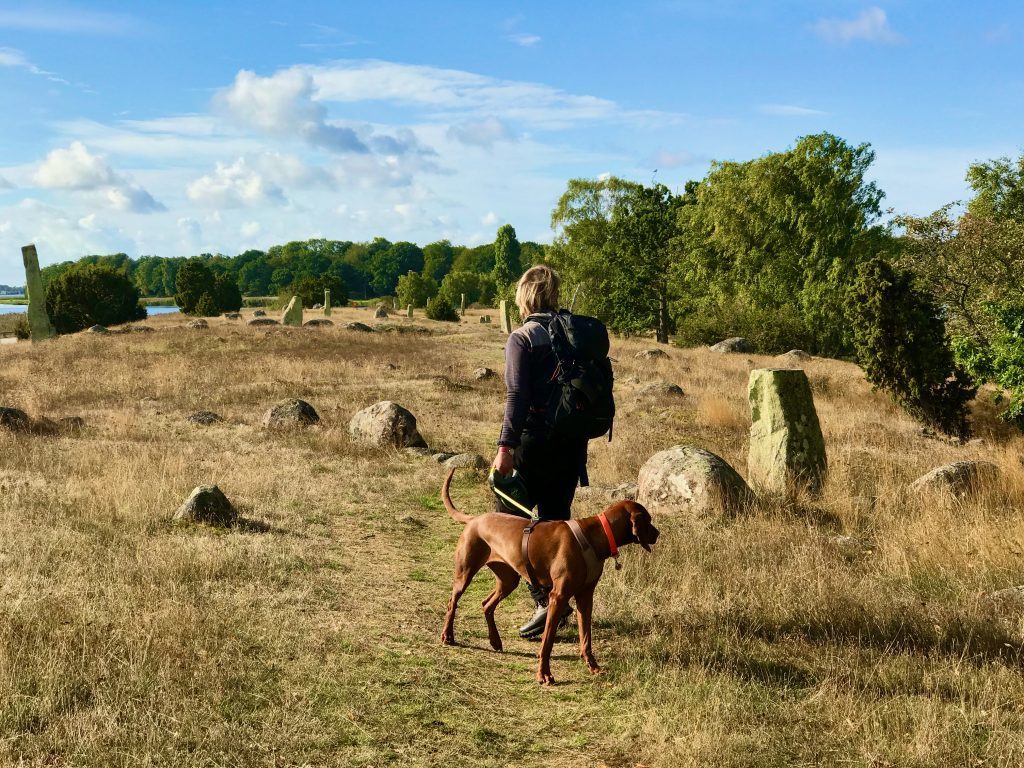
[594,567]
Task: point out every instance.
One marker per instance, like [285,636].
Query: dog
[556,559]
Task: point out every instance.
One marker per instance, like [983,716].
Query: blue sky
[177,128]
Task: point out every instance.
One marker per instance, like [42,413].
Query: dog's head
[644,532]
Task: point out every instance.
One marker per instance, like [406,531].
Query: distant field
[311,635]
[13,300]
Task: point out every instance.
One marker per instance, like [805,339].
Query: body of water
[10,309]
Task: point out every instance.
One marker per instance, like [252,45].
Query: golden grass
[310,635]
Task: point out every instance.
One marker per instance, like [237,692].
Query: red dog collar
[609,535]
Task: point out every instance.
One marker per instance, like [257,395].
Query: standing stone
[506,321]
[786,444]
[327,302]
[293,312]
[462,306]
[38,321]
[408,312]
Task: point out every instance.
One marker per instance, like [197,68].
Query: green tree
[900,340]
[506,256]
[999,189]
[455,284]
[92,294]
[437,259]
[1001,360]
[386,265]
[416,289]
[785,230]
[193,280]
[226,294]
[439,308]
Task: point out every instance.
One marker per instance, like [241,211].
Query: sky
[180,128]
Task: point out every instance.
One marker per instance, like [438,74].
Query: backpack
[581,404]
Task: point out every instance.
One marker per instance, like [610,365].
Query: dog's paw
[545,678]
[447,638]
[497,645]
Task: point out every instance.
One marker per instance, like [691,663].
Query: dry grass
[311,638]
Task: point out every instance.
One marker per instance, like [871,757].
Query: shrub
[89,295]
[226,294]
[900,340]
[439,308]
[311,290]
[193,280]
[770,331]
[207,306]
[21,328]
[416,289]
[460,282]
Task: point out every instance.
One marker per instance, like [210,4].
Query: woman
[550,465]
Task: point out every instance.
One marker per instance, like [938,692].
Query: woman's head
[537,290]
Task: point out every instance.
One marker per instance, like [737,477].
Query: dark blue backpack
[582,404]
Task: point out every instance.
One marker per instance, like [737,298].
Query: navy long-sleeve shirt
[529,376]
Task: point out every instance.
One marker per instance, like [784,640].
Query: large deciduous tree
[507,268]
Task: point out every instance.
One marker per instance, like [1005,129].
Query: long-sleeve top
[529,376]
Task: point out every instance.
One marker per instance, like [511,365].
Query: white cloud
[75,168]
[235,186]
[489,219]
[250,229]
[67,20]
[11,57]
[871,25]
[788,110]
[663,158]
[480,133]
[5,184]
[525,39]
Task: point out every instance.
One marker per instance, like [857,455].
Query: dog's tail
[459,517]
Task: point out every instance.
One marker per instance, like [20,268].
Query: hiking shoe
[534,628]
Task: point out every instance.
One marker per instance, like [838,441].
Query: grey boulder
[291,413]
[690,480]
[735,344]
[958,478]
[207,504]
[386,425]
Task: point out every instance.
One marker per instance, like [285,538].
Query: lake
[10,309]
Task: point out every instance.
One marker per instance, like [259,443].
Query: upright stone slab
[462,306]
[327,302]
[408,311]
[293,313]
[506,321]
[38,321]
[787,449]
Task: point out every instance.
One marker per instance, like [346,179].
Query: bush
[21,328]
[89,295]
[207,306]
[770,331]
[457,283]
[439,308]
[416,289]
[193,280]
[900,340]
[1000,362]
[311,290]
[226,295]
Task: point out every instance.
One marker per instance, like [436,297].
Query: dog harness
[594,566]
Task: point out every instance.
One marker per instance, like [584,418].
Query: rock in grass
[139,329]
[482,374]
[787,448]
[362,327]
[466,461]
[262,320]
[232,316]
[733,345]
[204,418]
[318,322]
[441,457]
[291,413]
[386,425]
[259,313]
[380,312]
[100,329]
[71,424]
[207,504]
[198,324]
[14,419]
[794,357]
[959,478]
[690,480]
[651,354]
[661,388]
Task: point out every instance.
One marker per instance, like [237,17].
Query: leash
[505,497]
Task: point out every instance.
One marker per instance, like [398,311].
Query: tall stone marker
[408,312]
[327,302]
[506,321]
[293,313]
[462,306]
[787,450]
[38,321]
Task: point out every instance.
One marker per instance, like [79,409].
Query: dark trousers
[551,467]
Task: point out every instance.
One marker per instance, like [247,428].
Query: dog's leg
[470,557]
[584,614]
[556,604]
[507,580]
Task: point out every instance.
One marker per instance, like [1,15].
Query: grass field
[310,635]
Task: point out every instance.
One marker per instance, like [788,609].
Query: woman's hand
[503,463]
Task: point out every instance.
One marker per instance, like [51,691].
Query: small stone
[14,419]
[389,367]
[259,313]
[291,413]
[418,452]
[317,306]
[101,329]
[139,329]
[386,425]
[958,478]
[481,374]
[318,322]
[441,457]
[794,357]
[361,327]
[412,522]
[466,461]
[661,388]
[232,316]
[485,319]
[198,324]
[205,418]
[207,504]
[263,320]
[380,312]
[651,354]
[735,344]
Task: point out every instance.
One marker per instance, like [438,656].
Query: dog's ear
[640,519]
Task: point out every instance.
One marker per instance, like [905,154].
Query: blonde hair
[537,290]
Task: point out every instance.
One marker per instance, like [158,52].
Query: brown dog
[495,540]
